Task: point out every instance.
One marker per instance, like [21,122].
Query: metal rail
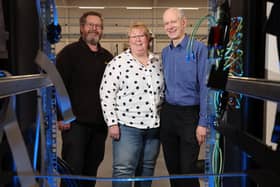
[253,87]
[13,85]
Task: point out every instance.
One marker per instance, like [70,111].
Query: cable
[189,49]
[228,59]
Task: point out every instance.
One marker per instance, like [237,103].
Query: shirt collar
[85,44]
[151,56]
[183,43]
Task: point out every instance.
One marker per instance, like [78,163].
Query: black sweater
[81,70]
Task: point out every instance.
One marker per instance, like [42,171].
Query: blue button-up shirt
[185,76]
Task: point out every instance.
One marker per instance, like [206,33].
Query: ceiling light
[188,8]
[91,7]
[65,6]
[138,8]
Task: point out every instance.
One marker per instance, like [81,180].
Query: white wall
[117,19]
[272,73]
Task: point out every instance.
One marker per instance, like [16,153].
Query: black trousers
[83,147]
[178,138]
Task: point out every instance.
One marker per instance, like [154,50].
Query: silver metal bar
[13,85]
[253,87]
[63,100]
[18,147]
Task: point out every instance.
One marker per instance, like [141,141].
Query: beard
[92,38]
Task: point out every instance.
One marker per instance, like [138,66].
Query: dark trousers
[178,138]
[83,147]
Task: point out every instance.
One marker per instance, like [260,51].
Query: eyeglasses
[90,25]
[138,36]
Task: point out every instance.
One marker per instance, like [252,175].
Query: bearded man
[81,65]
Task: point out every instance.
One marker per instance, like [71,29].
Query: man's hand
[201,134]
[114,132]
[62,126]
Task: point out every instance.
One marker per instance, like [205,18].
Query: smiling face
[174,24]
[138,41]
[92,30]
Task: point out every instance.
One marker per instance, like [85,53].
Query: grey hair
[180,12]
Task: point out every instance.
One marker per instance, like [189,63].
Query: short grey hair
[180,12]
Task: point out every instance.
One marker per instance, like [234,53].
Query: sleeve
[202,71]
[63,65]
[109,88]
[162,91]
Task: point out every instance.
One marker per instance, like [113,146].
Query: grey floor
[105,169]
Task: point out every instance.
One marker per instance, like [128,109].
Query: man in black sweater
[81,66]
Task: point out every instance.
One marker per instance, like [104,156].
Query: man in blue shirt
[183,116]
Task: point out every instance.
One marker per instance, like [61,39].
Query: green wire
[197,25]
[232,56]
[217,160]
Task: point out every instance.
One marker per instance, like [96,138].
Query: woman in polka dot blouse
[131,94]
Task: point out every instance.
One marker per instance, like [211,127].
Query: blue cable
[130,179]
